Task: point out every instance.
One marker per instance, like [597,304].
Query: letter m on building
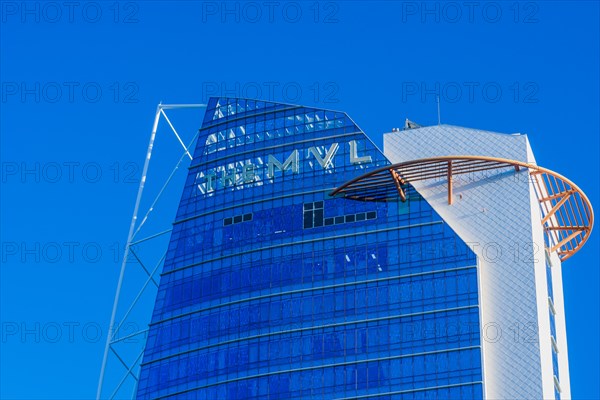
[292,163]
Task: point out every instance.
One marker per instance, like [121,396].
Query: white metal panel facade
[498,213]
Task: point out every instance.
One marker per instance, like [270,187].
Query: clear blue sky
[80,85]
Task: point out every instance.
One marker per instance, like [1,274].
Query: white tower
[508,218]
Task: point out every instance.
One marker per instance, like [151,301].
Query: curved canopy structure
[566,212]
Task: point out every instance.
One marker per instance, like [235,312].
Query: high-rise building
[306,263]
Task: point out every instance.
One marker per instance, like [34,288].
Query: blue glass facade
[272,289]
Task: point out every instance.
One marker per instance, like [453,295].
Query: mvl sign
[250,173]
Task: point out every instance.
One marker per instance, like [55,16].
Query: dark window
[361,216]
[237,219]
[372,215]
[313,215]
[308,219]
[350,218]
[318,217]
[339,220]
[329,221]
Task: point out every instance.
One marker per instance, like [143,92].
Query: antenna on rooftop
[438,106]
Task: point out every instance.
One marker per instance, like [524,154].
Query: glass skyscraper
[275,288]
[272,289]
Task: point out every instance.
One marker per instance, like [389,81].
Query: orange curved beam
[567,214]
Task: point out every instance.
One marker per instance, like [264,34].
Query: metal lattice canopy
[566,212]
